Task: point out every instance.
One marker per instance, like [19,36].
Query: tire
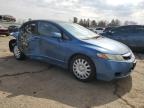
[82,68]
[18,54]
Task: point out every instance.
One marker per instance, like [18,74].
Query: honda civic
[84,53]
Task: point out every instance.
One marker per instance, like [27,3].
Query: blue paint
[131,35]
[58,51]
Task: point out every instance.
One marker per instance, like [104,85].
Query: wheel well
[12,43]
[78,54]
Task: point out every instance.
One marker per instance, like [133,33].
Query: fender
[13,42]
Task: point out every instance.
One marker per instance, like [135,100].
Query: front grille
[127,56]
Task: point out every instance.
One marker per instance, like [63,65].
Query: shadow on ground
[36,79]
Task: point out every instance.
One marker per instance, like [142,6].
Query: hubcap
[81,68]
[16,52]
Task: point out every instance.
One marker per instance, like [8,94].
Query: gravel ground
[33,84]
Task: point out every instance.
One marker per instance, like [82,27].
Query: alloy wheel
[81,68]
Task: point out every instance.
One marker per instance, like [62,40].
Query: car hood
[108,45]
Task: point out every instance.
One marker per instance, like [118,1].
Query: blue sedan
[86,54]
[131,35]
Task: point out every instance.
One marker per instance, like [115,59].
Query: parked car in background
[86,54]
[99,30]
[13,28]
[107,29]
[7,18]
[93,30]
[4,31]
[131,35]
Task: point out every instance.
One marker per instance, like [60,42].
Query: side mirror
[56,35]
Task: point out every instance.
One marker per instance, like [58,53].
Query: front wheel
[83,68]
[18,54]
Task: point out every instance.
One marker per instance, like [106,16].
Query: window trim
[62,33]
[48,23]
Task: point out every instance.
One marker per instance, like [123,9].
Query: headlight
[111,57]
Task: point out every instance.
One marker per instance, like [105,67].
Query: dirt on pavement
[33,84]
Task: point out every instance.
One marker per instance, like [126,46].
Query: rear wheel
[82,68]
[18,54]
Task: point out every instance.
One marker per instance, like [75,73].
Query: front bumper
[108,70]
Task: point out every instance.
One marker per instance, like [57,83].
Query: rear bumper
[109,70]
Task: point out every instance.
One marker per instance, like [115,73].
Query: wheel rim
[16,52]
[81,68]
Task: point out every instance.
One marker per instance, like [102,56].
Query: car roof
[126,26]
[131,26]
[52,21]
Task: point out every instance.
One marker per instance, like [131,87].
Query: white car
[99,30]
[93,29]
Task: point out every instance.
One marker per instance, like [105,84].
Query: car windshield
[78,31]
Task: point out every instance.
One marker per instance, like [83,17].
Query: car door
[128,35]
[136,38]
[51,47]
[29,39]
[120,34]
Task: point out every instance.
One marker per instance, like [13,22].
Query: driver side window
[48,29]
